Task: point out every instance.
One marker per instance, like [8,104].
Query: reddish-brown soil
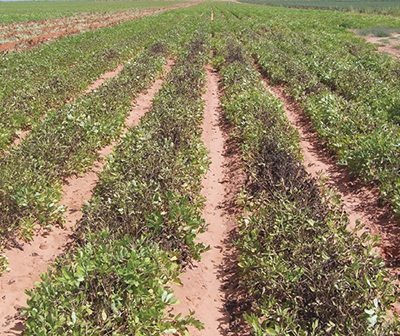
[360,201]
[208,285]
[388,47]
[205,288]
[102,79]
[33,258]
[22,35]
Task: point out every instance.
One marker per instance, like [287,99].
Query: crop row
[140,226]
[301,271]
[35,81]
[25,34]
[14,13]
[385,7]
[65,142]
[350,92]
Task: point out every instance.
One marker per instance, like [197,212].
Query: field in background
[41,10]
[391,7]
[21,35]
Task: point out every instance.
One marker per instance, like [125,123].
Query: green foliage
[65,144]
[35,81]
[41,10]
[349,92]
[141,225]
[304,273]
[386,7]
[379,31]
[108,287]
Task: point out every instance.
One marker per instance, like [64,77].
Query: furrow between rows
[204,287]
[139,228]
[31,259]
[16,141]
[299,266]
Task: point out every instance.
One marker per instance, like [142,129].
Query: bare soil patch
[385,44]
[206,284]
[31,259]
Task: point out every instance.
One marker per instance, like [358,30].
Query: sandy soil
[360,201]
[33,258]
[106,75]
[385,47]
[205,287]
[27,35]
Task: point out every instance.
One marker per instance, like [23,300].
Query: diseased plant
[301,271]
[140,228]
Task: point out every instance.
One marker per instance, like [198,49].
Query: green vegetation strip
[350,92]
[386,7]
[379,31]
[351,97]
[35,81]
[141,224]
[40,10]
[65,143]
[302,273]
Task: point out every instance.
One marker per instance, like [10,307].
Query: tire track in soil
[34,257]
[361,202]
[205,285]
